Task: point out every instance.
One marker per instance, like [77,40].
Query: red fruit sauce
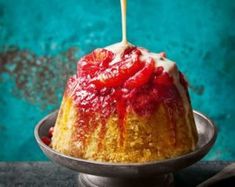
[102,88]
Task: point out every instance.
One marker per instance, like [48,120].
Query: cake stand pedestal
[151,174]
[85,180]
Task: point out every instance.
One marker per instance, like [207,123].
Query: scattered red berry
[46,140]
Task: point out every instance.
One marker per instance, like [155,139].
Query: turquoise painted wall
[40,42]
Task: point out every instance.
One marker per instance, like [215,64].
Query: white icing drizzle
[123,9]
[119,48]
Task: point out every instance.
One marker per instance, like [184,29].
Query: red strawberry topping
[108,84]
[141,77]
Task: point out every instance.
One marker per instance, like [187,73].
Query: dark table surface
[49,174]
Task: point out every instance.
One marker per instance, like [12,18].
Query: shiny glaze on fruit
[108,84]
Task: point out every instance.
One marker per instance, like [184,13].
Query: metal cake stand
[104,174]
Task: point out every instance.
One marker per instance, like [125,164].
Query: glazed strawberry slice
[119,72]
[159,70]
[88,69]
[100,57]
[141,77]
[133,50]
[103,57]
[164,79]
[91,63]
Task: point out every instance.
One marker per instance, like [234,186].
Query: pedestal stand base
[85,180]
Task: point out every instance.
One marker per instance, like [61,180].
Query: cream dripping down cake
[125,104]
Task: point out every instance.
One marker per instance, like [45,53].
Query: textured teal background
[40,42]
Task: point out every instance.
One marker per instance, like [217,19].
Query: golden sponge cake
[125,104]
